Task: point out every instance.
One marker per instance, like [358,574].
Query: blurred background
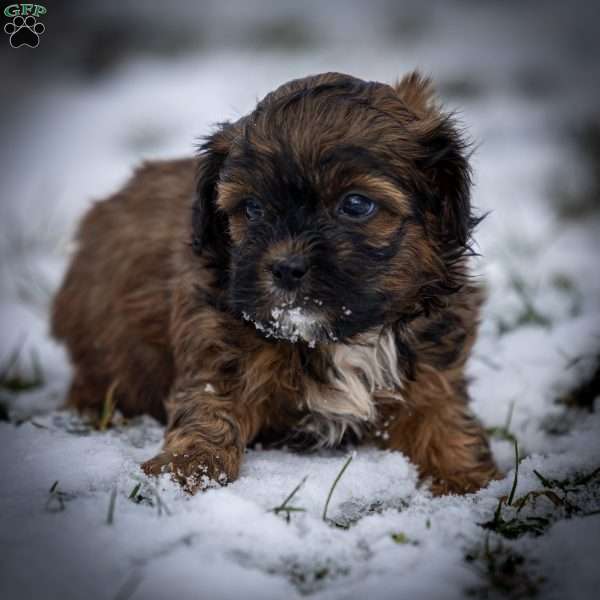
[116,82]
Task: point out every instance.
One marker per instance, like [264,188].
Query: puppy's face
[335,206]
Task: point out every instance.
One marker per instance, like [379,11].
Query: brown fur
[143,306]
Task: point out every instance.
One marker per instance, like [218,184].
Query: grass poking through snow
[333,486]
[514,527]
[110,517]
[403,539]
[513,489]
[57,498]
[108,408]
[144,492]
[503,432]
[562,496]
[285,507]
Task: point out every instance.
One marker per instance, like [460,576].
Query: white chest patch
[345,401]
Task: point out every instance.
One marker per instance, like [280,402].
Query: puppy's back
[112,308]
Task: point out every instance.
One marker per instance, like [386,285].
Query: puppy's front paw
[197,467]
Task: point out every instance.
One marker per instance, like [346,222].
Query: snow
[294,323]
[82,142]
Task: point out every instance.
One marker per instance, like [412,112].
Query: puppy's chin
[294,324]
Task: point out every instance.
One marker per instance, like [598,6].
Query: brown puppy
[304,279]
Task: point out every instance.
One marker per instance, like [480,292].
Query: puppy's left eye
[356,207]
[253,209]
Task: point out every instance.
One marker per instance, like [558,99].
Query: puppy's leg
[209,422]
[436,430]
[205,439]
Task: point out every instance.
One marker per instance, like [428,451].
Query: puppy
[303,280]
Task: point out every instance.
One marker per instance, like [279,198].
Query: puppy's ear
[442,160]
[417,93]
[210,230]
[448,175]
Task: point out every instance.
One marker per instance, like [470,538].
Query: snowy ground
[96,534]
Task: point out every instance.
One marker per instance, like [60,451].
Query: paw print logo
[24,31]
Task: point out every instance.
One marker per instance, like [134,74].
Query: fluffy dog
[303,280]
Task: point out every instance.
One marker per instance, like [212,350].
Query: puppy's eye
[253,209]
[356,207]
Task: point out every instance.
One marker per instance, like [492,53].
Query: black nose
[288,272]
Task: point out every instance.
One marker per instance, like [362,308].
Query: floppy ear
[442,160]
[209,226]
[448,174]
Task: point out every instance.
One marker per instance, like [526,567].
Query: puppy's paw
[196,468]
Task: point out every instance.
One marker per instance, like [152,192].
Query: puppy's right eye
[253,209]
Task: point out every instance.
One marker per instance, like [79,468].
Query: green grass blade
[516,478]
[336,481]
